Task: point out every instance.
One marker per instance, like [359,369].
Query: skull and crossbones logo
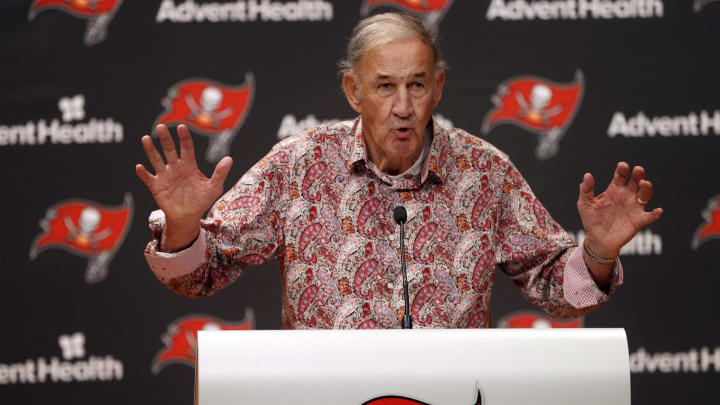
[537,111]
[90,4]
[84,234]
[205,113]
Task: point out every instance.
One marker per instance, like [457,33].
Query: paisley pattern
[316,204]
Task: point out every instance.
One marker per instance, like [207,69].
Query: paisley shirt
[318,206]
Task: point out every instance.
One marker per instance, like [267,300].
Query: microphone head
[400,214]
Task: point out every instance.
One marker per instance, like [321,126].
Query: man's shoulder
[324,135]
[461,141]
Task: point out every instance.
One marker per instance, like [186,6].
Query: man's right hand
[180,189]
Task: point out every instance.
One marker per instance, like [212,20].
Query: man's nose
[402,107]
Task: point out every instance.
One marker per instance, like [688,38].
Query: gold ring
[639,200]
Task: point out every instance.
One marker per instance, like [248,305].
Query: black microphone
[400,216]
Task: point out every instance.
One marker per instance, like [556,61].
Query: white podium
[418,366]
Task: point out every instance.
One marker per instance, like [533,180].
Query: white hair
[381,29]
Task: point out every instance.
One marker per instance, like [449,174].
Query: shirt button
[390,285]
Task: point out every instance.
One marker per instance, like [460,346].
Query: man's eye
[385,85]
[418,85]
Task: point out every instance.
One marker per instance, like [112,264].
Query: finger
[168,146]
[638,174]
[153,155]
[143,174]
[221,171]
[187,150]
[652,216]
[621,174]
[587,188]
[645,190]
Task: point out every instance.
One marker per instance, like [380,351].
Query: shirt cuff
[167,266]
[579,287]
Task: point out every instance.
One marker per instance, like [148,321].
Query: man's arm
[196,257]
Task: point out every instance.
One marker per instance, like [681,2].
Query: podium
[418,366]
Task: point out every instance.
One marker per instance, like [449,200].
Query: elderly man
[322,203]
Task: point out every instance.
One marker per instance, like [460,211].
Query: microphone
[400,216]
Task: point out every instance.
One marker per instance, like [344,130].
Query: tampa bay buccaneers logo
[210,108]
[400,400]
[699,4]
[534,319]
[430,12]
[98,14]
[86,229]
[181,338]
[539,106]
[711,228]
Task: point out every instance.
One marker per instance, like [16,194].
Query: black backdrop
[68,338]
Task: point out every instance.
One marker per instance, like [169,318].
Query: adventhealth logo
[244,11]
[67,131]
[72,368]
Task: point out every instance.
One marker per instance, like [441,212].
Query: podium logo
[399,400]
[430,12]
[181,338]
[711,228]
[516,10]
[66,132]
[534,319]
[244,11]
[539,106]
[98,14]
[85,229]
[212,109]
[73,367]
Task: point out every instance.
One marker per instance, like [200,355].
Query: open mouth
[402,132]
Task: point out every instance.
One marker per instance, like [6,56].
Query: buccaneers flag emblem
[532,319]
[213,109]
[711,228]
[99,13]
[430,12]
[537,105]
[398,400]
[85,229]
[181,338]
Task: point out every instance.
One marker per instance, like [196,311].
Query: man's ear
[439,85]
[350,85]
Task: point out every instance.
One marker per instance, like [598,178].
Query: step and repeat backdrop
[563,86]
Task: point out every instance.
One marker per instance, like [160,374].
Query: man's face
[398,90]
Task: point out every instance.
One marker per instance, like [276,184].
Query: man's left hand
[613,218]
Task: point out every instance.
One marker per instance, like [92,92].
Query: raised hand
[179,188]
[613,218]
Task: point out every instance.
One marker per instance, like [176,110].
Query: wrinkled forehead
[398,58]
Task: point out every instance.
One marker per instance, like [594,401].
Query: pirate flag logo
[85,229]
[430,12]
[711,228]
[99,13]
[539,106]
[699,4]
[538,320]
[400,400]
[181,338]
[211,109]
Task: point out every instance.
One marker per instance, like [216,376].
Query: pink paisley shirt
[318,206]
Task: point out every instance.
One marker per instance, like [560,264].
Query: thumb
[587,188]
[221,171]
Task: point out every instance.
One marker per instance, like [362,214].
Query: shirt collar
[432,168]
